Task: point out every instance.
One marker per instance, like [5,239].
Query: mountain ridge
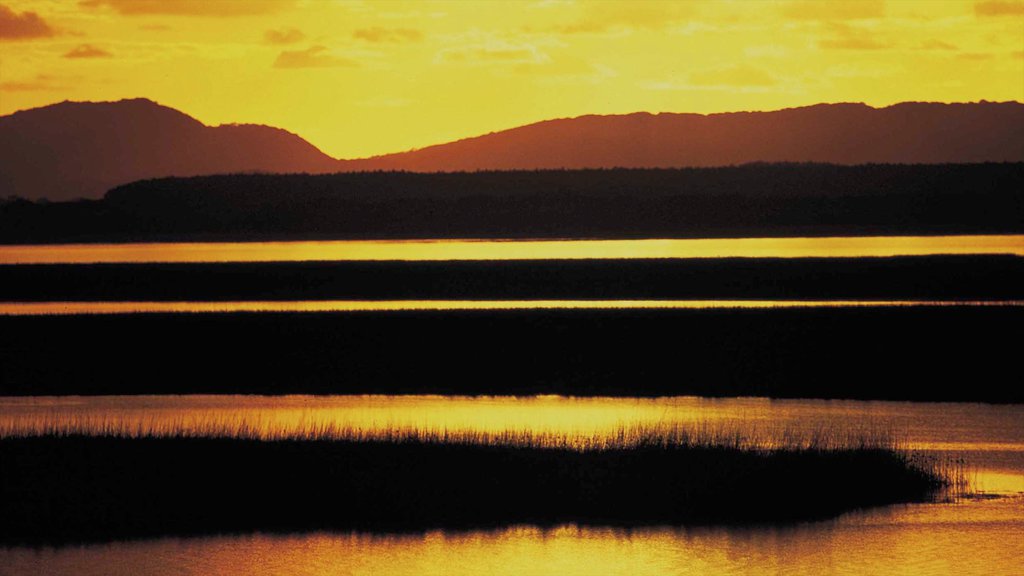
[71,149]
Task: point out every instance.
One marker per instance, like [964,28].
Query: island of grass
[64,486]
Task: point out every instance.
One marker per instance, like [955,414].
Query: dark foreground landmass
[65,489]
[744,201]
[891,353]
[898,278]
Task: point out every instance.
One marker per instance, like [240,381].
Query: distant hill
[82,149]
[912,132]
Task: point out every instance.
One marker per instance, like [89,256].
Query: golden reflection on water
[991,436]
[57,308]
[968,539]
[512,249]
[907,540]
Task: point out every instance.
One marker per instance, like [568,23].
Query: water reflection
[512,250]
[976,537]
[912,539]
[991,437]
[57,308]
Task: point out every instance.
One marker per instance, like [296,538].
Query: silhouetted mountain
[911,132]
[82,149]
[75,150]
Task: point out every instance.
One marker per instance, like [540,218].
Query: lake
[905,539]
[861,246]
[973,535]
[52,308]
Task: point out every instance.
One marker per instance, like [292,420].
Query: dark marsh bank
[885,353]
[59,489]
[893,278]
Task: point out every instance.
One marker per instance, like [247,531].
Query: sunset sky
[363,78]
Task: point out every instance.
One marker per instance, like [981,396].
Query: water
[56,308]
[512,250]
[991,437]
[971,536]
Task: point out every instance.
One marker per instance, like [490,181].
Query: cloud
[379,34]
[853,43]
[24,26]
[833,10]
[490,53]
[603,17]
[938,45]
[845,37]
[975,56]
[999,8]
[741,75]
[42,82]
[283,36]
[190,7]
[312,57]
[87,51]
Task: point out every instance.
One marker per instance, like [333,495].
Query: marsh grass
[80,479]
[311,428]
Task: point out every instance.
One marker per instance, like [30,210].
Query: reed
[132,481]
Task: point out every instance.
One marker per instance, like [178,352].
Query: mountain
[912,132]
[79,149]
[82,149]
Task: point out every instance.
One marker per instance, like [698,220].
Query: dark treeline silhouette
[907,278]
[942,354]
[751,200]
[64,489]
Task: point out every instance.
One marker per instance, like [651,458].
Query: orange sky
[362,78]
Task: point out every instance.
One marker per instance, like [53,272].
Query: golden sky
[363,78]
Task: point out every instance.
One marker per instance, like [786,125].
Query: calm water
[51,308]
[966,539]
[972,536]
[512,250]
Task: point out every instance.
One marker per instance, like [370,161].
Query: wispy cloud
[604,17]
[283,36]
[87,51]
[741,75]
[492,52]
[312,57]
[41,82]
[22,26]
[190,7]
[378,34]
[833,10]
[938,45]
[845,37]
[853,43]
[999,8]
